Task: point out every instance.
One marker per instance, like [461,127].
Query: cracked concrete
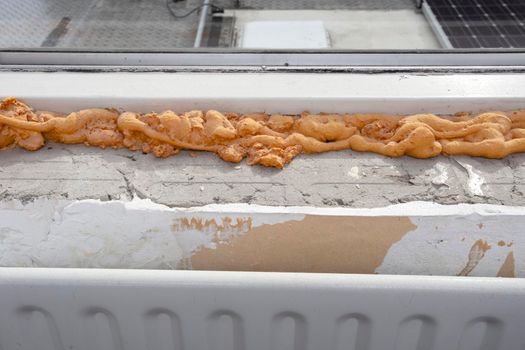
[130,189]
[345,178]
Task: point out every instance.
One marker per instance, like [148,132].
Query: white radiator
[59,309]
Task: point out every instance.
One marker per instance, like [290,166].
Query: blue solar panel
[481,23]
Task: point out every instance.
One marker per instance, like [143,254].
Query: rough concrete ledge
[342,179]
[75,206]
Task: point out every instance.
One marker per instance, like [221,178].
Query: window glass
[262,24]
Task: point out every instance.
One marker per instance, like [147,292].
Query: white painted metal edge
[123,277]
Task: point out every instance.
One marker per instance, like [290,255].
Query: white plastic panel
[267,92]
[44,309]
[285,34]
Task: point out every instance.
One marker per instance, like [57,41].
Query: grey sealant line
[202,23]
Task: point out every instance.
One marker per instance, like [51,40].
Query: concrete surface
[136,24]
[354,29]
[345,178]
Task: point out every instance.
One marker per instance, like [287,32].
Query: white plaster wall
[142,234]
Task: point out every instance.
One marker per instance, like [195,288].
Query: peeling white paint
[442,177]
[441,247]
[143,234]
[475,181]
[417,208]
[354,172]
[92,233]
